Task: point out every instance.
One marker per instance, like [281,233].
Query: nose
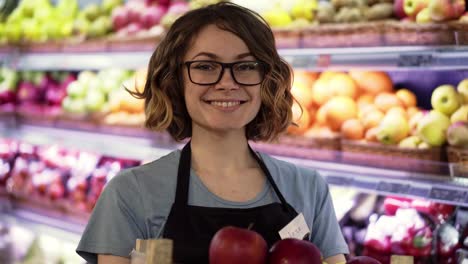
[227,81]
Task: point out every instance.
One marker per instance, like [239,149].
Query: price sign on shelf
[450,195]
[390,187]
[337,180]
[415,60]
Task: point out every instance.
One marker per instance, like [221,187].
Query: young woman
[216,79]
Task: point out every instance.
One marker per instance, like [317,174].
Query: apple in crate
[291,250]
[237,245]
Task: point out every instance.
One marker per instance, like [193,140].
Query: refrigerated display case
[358,176]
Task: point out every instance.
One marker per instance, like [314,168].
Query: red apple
[135,11]
[291,250]
[398,9]
[237,245]
[120,17]
[151,16]
[362,260]
[442,10]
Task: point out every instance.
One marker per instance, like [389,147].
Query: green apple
[76,90]
[432,128]
[462,88]
[410,142]
[86,77]
[392,129]
[76,106]
[91,12]
[413,7]
[109,5]
[457,134]
[95,100]
[423,16]
[460,115]
[100,27]
[445,99]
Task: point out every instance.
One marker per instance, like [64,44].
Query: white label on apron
[297,228]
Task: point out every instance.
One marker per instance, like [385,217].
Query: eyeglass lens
[209,72]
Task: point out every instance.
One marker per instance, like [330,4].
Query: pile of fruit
[426,11]
[363,105]
[348,11]
[57,176]
[238,245]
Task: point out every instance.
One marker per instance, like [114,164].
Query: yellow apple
[432,128]
[392,129]
[410,142]
[462,88]
[423,16]
[445,99]
[460,115]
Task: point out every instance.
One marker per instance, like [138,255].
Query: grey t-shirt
[136,204]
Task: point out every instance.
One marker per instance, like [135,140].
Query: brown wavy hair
[164,90]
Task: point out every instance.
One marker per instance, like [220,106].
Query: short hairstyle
[164,89]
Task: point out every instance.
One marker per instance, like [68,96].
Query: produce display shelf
[44,221]
[386,58]
[436,187]
[65,61]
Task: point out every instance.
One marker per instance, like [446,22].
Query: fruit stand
[372,94]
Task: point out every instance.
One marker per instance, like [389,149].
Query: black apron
[192,227]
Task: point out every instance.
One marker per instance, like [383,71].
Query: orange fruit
[303,94]
[352,129]
[385,101]
[301,119]
[340,109]
[302,87]
[365,99]
[327,75]
[342,84]
[371,134]
[321,115]
[372,82]
[372,119]
[407,97]
[321,92]
[397,110]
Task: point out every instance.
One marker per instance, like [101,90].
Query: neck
[220,152]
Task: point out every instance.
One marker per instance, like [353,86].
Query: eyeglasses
[205,72]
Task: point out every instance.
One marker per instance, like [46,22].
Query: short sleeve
[326,232]
[116,222]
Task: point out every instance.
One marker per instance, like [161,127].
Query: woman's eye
[204,66]
[247,66]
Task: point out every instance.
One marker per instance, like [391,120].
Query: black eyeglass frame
[223,67]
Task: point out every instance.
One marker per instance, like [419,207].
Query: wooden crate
[394,157]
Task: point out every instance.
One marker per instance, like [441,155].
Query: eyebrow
[214,56]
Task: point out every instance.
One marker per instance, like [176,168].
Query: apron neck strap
[183,177]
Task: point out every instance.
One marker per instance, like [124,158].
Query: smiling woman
[216,79]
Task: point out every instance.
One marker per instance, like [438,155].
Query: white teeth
[225,104]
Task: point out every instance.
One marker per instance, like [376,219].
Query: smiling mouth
[226,104]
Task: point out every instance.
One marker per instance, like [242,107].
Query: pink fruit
[362,260]
[151,16]
[120,17]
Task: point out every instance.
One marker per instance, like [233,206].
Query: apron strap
[265,170]
[183,177]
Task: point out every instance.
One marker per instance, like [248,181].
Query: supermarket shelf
[438,188]
[385,58]
[44,223]
[82,61]
[441,188]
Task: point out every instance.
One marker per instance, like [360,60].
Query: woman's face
[224,106]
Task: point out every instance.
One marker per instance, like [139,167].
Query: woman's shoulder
[157,172]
